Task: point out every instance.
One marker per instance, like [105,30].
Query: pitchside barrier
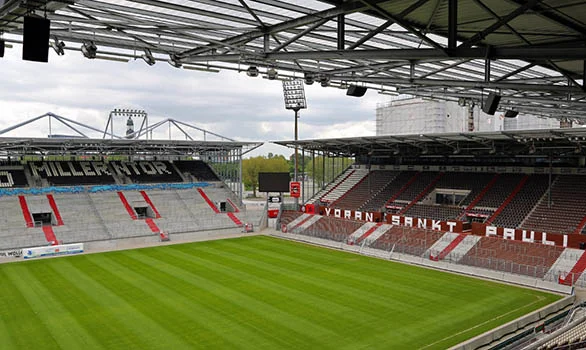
[15,253]
[53,250]
[418,247]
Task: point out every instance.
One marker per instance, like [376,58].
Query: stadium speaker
[35,39]
[2,46]
[511,114]
[356,91]
[491,103]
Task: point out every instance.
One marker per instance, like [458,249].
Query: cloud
[228,103]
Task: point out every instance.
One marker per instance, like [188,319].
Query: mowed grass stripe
[248,293]
[345,317]
[455,301]
[273,281]
[206,327]
[100,287]
[338,267]
[63,326]
[295,327]
[322,294]
[104,325]
[20,325]
[218,314]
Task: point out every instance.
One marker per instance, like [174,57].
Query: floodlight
[324,80]
[148,57]
[58,46]
[294,94]
[309,79]
[252,71]
[174,61]
[272,74]
[89,49]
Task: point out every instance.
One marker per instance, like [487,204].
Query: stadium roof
[570,142]
[532,52]
[18,146]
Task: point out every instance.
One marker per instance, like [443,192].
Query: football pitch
[246,293]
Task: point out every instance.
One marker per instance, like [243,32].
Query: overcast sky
[227,103]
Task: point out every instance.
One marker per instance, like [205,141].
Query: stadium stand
[146,171]
[353,178]
[196,170]
[61,173]
[523,201]
[335,229]
[370,185]
[391,189]
[565,212]
[515,257]
[573,338]
[407,240]
[504,185]
[437,212]
[328,187]
[12,176]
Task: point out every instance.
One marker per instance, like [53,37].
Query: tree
[252,166]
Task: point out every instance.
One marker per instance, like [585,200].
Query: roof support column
[452,23]
[487,70]
[267,42]
[341,31]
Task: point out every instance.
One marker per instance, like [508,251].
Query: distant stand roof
[556,143]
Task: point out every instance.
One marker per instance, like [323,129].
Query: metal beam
[371,34]
[504,20]
[452,23]
[294,23]
[372,4]
[387,24]
[521,53]
[515,72]
[300,34]
[341,37]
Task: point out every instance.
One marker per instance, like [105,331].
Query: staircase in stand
[208,201]
[152,225]
[55,209]
[575,272]
[480,195]
[28,218]
[129,209]
[448,249]
[235,219]
[580,227]
[147,199]
[422,193]
[50,235]
[368,233]
[396,195]
[508,199]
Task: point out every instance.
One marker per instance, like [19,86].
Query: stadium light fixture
[324,80]
[272,74]
[252,71]
[174,61]
[58,46]
[294,94]
[89,49]
[148,57]
[309,78]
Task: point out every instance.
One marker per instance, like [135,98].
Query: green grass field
[248,293]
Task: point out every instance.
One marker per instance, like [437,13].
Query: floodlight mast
[294,94]
[131,133]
